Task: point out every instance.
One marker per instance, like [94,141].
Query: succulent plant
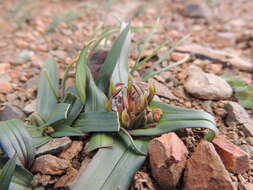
[119,113]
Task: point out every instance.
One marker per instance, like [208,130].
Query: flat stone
[49,164]
[167,156]
[206,86]
[162,90]
[234,158]
[237,114]
[197,9]
[66,179]
[71,152]
[54,146]
[11,112]
[205,170]
[217,55]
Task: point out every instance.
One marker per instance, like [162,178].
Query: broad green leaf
[7,172]
[48,86]
[243,91]
[97,122]
[112,168]
[58,113]
[111,60]
[21,179]
[96,99]
[120,73]
[80,81]
[65,130]
[14,139]
[100,140]
[128,140]
[175,118]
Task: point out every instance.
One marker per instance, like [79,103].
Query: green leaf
[7,172]
[65,130]
[38,138]
[48,86]
[106,34]
[58,113]
[80,82]
[126,137]
[14,139]
[21,178]
[100,140]
[112,58]
[96,99]
[97,122]
[175,118]
[243,91]
[120,73]
[64,80]
[112,168]
[95,102]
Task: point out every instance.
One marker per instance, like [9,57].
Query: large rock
[168,156]
[238,115]
[74,149]
[234,158]
[49,164]
[66,179]
[205,170]
[54,146]
[206,86]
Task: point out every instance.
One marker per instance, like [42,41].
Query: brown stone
[205,170]
[234,158]
[5,87]
[168,156]
[67,178]
[72,151]
[49,164]
[54,146]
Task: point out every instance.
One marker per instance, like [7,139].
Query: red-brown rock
[72,151]
[67,178]
[205,170]
[234,158]
[49,164]
[168,156]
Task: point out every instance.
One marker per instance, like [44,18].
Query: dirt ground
[31,31]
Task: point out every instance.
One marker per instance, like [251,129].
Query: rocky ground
[221,42]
